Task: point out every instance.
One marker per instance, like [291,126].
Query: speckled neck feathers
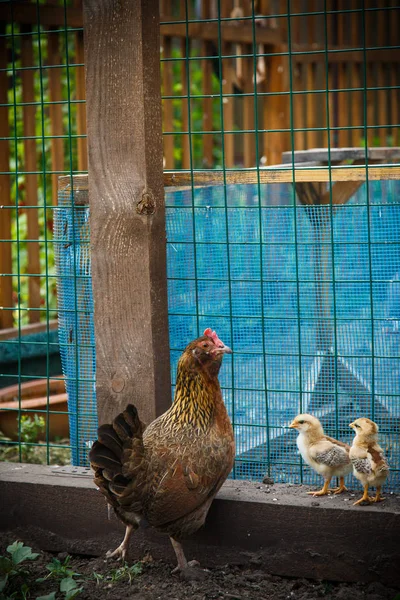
[196,397]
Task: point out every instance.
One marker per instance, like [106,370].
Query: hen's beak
[293,425]
[223,350]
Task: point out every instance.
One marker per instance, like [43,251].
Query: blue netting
[311,311]
[306,308]
[75,317]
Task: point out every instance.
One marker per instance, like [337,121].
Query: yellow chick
[369,463]
[327,456]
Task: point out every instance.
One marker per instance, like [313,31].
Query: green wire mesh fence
[292,254]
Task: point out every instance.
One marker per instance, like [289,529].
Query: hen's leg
[181,558]
[365,497]
[341,488]
[324,491]
[180,555]
[121,551]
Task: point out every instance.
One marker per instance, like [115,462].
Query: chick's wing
[330,454]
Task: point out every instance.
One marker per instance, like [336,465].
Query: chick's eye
[355,424]
[301,422]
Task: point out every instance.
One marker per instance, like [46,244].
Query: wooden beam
[13,332]
[282,175]
[127,212]
[6,208]
[230,31]
[49,15]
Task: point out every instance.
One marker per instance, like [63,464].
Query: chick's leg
[365,497]
[181,558]
[324,491]
[341,488]
[121,551]
[378,497]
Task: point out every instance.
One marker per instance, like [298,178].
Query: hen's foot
[119,553]
[190,565]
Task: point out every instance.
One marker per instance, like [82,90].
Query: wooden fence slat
[167,79]
[276,109]
[249,153]
[80,91]
[127,211]
[228,88]
[206,71]
[6,291]
[55,110]
[31,181]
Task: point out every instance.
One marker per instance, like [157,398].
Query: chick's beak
[293,425]
[351,425]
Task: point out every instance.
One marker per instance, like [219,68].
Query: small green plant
[59,570]
[11,567]
[62,572]
[123,572]
[30,429]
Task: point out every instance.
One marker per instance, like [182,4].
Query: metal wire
[269,272]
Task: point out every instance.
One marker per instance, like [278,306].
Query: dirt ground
[153,580]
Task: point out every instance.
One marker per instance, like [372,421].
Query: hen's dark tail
[117,458]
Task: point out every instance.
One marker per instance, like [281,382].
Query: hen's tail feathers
[117,456]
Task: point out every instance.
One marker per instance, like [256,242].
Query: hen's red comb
[212,334]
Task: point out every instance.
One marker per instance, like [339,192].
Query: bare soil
[101,579]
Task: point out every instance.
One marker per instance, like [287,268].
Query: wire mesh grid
[308,296]
[42,135]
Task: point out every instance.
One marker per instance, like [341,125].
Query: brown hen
[169,473]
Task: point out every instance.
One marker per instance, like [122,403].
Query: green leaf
[51,596]
[73,593]
[6,565]
[19,553]
[3,582]
[67,584]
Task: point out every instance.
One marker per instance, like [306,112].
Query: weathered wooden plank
[70,516]
[267,175]
[283,175]
[31,181]
[6,210]
[127,214]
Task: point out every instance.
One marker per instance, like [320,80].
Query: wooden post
[127,214]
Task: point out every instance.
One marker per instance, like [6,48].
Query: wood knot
[147,205]
[117,383]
